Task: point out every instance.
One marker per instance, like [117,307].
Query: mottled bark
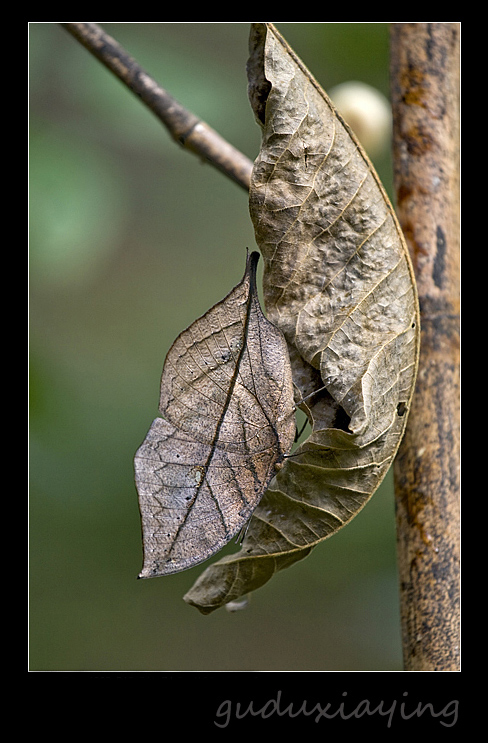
[425,99]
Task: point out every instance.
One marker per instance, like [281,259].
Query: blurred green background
[132,238]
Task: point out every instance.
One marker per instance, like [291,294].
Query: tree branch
[425,98]
[184,126]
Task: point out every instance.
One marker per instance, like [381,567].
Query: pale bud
[368,113]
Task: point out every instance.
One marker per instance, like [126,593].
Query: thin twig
[184,126]
[425,99]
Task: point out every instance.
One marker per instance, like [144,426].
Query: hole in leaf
[341,420]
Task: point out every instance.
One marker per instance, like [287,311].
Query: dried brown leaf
[339,284]
[228,420]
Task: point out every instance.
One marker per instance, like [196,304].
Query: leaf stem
[185,128]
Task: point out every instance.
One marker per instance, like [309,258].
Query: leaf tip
[203,609]
[251,267]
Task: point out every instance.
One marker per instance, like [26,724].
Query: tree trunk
[425,99]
